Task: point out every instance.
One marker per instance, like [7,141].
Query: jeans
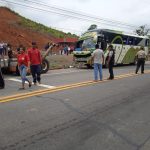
[23,73]
[111,70]
[36,73]
[98,68]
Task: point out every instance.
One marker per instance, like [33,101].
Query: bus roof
[117,32]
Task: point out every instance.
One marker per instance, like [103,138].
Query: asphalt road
[108,115]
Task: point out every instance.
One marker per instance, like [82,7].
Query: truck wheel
[45,66]
[89,66]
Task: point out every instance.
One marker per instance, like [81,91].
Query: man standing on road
[140,60]
[35,63]
[98,57]
[111,61]
[2,82]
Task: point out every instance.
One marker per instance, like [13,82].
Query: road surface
[71,112]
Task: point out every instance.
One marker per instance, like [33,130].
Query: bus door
[102,42]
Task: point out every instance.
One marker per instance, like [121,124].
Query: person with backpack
[111,61]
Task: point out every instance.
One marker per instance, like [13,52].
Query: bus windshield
[88,44]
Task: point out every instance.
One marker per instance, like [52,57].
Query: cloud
[131,12]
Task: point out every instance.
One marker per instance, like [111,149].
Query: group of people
[66,50]
[98,58]
[27,60]
[31,59]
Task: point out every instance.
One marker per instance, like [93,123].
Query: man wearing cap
[35,62]
[140,60]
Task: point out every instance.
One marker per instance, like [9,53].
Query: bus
[125,45]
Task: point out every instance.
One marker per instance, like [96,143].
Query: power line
[62,14]
[80,13]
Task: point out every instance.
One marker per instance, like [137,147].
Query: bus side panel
[130,55]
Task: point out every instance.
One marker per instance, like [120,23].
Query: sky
[131,12]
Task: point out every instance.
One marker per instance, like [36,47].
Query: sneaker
[95,80]
[35,83]
[39,82]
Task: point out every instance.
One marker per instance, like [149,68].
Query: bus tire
[45,66]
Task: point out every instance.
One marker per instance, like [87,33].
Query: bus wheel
[45,66]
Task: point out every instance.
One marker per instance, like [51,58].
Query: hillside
[16,30]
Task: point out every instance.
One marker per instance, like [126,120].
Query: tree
[142,30]
[92,27]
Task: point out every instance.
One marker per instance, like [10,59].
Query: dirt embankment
[13,33]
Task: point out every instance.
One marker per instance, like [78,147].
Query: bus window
[99,39]
[88,43]
[78,45]
[125,40]
[130,40]
[147,42]
[134,41]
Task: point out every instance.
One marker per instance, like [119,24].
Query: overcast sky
[132,12]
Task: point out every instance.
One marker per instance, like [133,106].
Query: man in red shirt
[35,62]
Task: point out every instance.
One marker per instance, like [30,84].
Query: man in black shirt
[111,61]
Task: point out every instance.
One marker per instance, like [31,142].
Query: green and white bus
[125,45]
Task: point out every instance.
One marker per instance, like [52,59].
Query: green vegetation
[44,29]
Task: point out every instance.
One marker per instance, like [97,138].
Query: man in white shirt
[98,57]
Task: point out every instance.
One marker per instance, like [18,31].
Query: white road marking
[41,85]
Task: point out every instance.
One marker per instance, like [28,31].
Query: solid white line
[41,85]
